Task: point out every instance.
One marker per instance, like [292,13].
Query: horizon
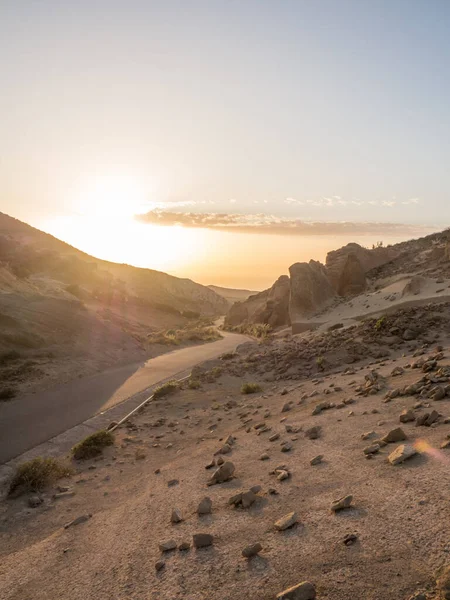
[223,141]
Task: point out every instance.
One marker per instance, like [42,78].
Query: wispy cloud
[262,223]
[337,201]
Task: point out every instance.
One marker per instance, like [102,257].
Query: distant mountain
[232,295]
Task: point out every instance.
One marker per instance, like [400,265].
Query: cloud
[233,200]
[411,201]
[271,224]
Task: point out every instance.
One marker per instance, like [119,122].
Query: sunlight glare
[112,195]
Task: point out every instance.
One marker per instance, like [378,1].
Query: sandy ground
[400,514]
[389,298]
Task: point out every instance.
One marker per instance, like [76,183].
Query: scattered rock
[167,546]
[35,501]
[395,435]
[286,407]
[316,460]
[350,539]
[286,447]
[313,432]
[205,506]
[176,516]
[401,454]
[222,474]
[372,449]
[274,437]
[159,565]
[264,456]
[342,503]
[285,522]
[173,482]
[184,546]
[301,591]
[407,416]
[202,540]
[77,521]
[251,550]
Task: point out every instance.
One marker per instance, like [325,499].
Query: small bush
[7,394]
[164,390]
[93,445]
[37,474]
[250,388]
[380,323]
[320,362]
[193,384]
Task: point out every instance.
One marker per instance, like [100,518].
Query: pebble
[287,521]
[205,506]
[167,545]
[251,550]
[77,521]
[159,565]
[176,516]
[316,460]
[301,591]
[342,503]
[202,540]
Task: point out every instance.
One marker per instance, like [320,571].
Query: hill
[64,313]
[230,294]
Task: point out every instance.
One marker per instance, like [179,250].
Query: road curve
[35,418]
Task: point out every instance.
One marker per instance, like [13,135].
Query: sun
[112,196]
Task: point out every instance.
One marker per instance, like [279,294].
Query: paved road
[35,418]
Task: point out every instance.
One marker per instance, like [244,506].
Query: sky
[245,134]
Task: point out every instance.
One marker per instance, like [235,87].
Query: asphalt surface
[33,419]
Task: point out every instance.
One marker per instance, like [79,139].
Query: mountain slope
[64,313]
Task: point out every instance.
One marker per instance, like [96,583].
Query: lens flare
[424,447]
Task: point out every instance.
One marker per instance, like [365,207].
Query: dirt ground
[400,514]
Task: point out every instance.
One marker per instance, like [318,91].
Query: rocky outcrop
[270,306]
[311,289]
[348,266]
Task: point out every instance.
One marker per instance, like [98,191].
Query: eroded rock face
[347,267]
[270,306]
[311,289]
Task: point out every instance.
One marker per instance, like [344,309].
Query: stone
[350,539]
[251,550]
[301,591]
[395,435]
[368,435]
[211,464]
[372,449]
[316,460]
[167,546]
[286,407]
[176,516]
[256,488]
[264,456]
[205,506]
[226,449]
[220,461]
[159,565]
[172,482]
[342,503]
[222,474]
[35,501]
[286,522]
[313,432]
[202,540]
[401,454]
[409,334]
[406,416]
[282,475]
[184,546]
[286,447]
[248,498]
[274,437]
[77,521]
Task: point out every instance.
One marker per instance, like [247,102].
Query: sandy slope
[400,514]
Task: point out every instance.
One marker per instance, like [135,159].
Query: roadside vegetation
[93,445]
[200,331]
[166,389]
[260,331]
[37,474]
[251,388]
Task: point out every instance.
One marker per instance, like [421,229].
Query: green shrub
[164,390]
[37,474]
[380,323]
[93,445]
[7,394]
[250,388]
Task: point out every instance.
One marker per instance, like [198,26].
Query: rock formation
[270,306]
[311,289]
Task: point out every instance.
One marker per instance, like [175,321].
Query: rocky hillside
[64,313]
[348,272]
[232,295]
